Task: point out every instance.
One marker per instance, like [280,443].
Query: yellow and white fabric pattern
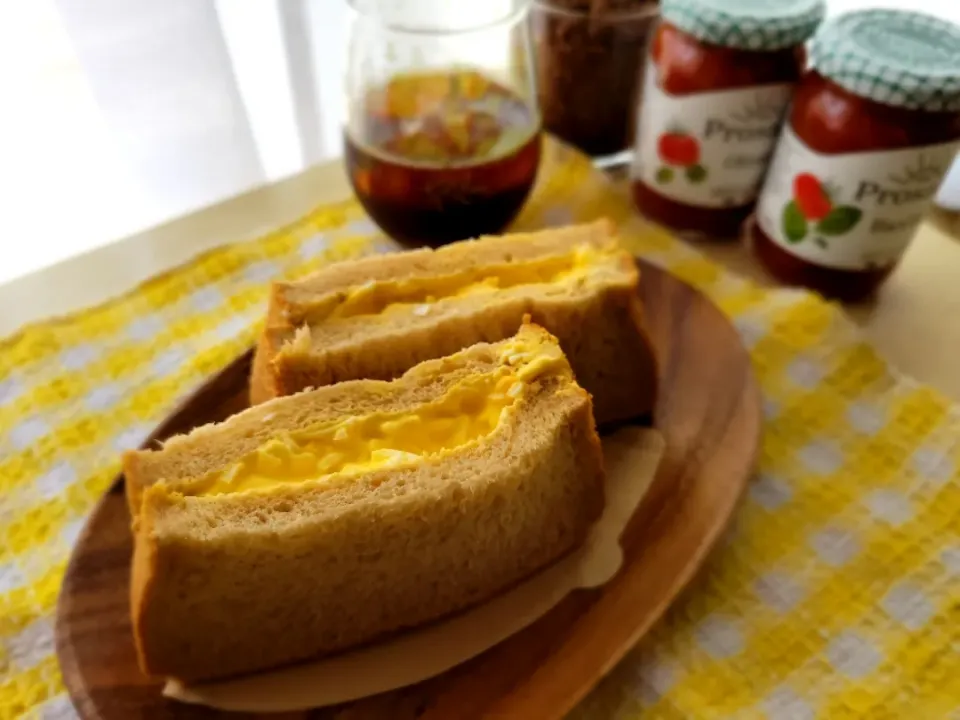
[836,593]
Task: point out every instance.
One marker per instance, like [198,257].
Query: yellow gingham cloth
[835,594]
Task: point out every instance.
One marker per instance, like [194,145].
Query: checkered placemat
[835,594]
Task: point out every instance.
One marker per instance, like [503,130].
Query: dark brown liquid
[588,65]
[437,158]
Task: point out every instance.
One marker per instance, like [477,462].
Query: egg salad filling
[377,297]
[470,410]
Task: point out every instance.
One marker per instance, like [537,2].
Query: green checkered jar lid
[746,24]
[894,57]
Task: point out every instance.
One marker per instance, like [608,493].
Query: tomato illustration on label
[810,197]
[812,204]
[679,149]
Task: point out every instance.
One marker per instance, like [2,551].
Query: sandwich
[323,520]
[376,317]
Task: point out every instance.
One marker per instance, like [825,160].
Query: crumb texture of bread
[238,583]
[599,323]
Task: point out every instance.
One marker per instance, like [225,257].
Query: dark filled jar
[718,80]
[588,59]
[873,129]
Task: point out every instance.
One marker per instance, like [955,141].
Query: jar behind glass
[589,57]
[719,79]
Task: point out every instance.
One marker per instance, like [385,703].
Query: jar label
[708,149]
[855,211]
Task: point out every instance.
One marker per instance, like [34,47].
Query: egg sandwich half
[333,517]
[376,317]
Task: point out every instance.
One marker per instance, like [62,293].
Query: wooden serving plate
[709,412]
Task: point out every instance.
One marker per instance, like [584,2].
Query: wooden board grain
[709,412]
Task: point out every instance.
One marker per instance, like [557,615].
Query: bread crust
[263,384]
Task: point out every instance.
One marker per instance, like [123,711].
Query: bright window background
[121,114]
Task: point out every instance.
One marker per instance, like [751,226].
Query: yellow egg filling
[376,297]
[470,410]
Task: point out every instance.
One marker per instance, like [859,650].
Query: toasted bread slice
[330,518]
[378,316]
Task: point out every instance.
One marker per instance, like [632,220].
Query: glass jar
[588,59]
[442,134]
[718,79]
[873,130]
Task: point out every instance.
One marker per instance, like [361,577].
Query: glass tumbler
[442,131]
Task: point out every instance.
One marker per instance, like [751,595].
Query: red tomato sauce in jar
[860,159]
[716,87]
